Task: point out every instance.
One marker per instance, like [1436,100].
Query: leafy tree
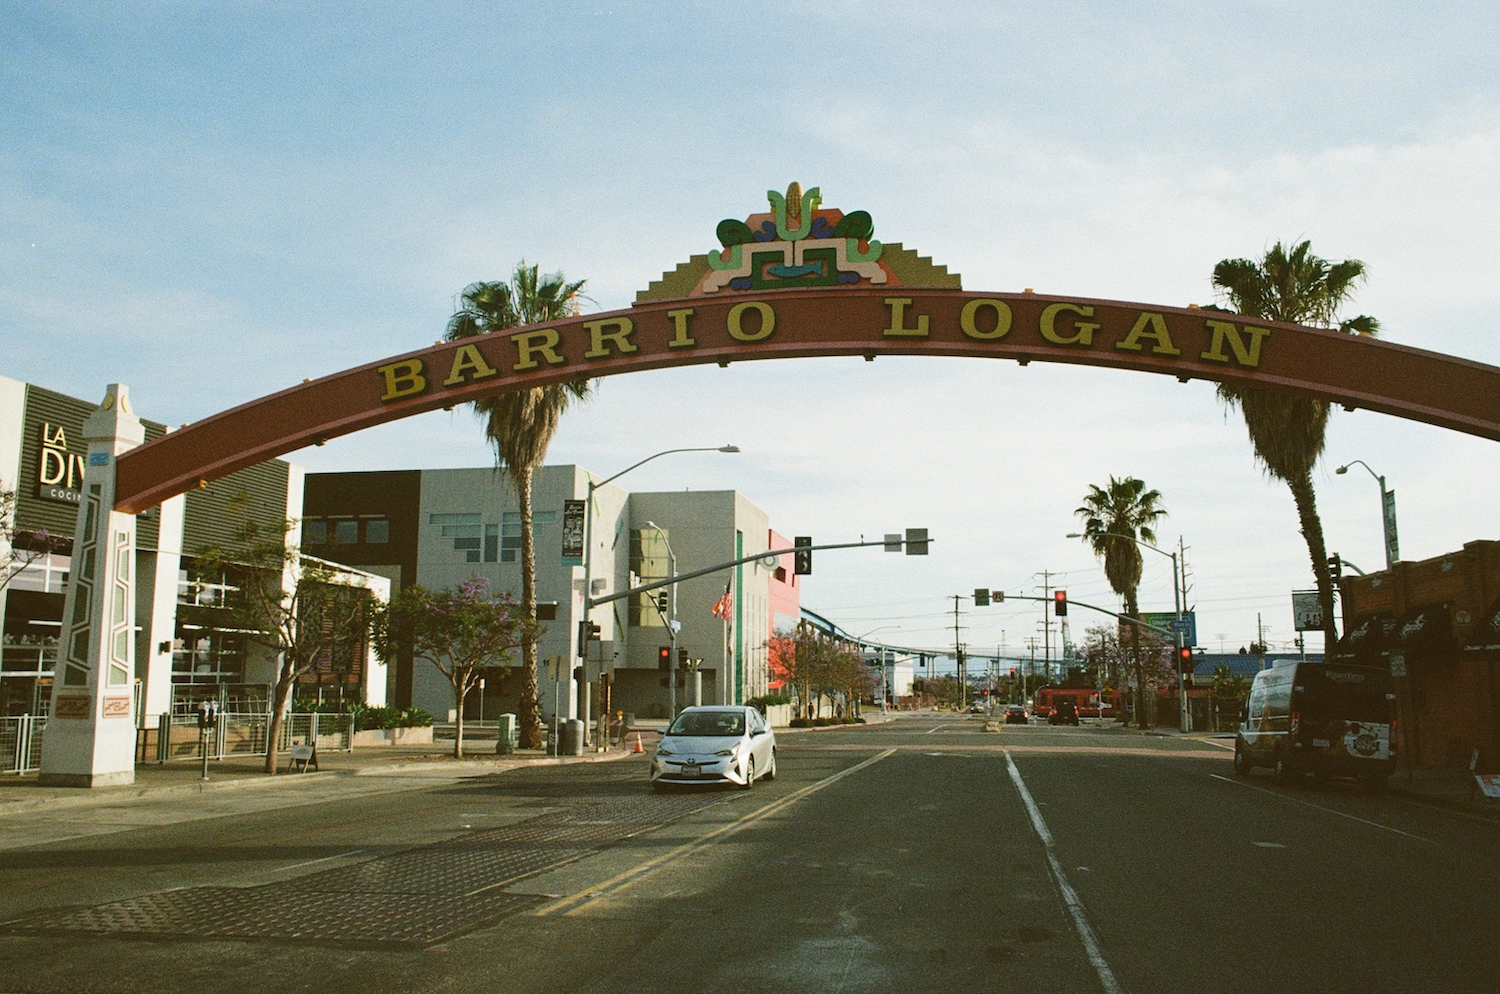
[1288,430]
[20,547]
[462,632]
[1113,518]
[520,425]
[301,608]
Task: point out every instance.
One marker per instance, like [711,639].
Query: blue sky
[211,201]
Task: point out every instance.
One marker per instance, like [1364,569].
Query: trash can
[509,733]
[571,738]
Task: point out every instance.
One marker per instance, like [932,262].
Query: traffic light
[1335,567]
[664,658]
[1185,659]
[588,631]
[1060,603]
[981,597]
[802,557]
[662,601]
[682,658]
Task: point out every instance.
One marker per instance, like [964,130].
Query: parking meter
[208,718]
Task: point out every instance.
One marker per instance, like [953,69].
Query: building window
[314,531]
[510,536]
[377,531]
[649,561]
[463,529]
[491,543]
[345,531]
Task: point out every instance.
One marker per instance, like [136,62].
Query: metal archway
[1188,343]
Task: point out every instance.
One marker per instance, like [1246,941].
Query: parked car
[1328,719]
[706,745]
[1063,712]
[1015,714]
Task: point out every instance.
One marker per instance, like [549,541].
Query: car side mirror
[758,731]
[1244,715]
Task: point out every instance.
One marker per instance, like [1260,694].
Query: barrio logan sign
[804,280]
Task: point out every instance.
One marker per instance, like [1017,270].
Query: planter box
[393,736]
[779,715]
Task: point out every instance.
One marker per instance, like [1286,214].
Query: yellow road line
[577,903]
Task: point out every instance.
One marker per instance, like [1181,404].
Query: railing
[241,734]
[21,743]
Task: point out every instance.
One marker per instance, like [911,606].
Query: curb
[432,767]
[1463,807]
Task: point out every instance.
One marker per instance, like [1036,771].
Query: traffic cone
[638,746]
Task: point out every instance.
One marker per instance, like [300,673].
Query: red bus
[1085,701]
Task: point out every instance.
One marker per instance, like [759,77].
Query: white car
[715,745]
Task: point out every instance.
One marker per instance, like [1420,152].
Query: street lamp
[671,620]
[588,527]
[1177,597]
[1387,512]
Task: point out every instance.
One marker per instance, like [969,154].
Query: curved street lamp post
[588,556]
[1387,511]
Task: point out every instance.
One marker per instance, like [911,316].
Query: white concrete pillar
[163,630]
[90,737]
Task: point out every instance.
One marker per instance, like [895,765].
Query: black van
[1329,719]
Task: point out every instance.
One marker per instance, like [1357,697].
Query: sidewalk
[158,781]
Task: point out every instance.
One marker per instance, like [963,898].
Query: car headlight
[663,751]
[724,752]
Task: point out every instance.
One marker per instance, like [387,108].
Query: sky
[212,201]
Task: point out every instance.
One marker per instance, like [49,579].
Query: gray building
[441,527]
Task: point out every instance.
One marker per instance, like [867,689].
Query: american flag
[723,605]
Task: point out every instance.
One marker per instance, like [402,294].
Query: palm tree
[1113,518]
[1288,430]
[520,426]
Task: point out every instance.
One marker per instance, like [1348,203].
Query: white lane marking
[1319,807]
[576,903]
[1070,896]
[1216,742]
[1269,845]
[934,728]
[324,859]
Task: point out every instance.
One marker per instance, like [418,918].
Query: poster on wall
[572,533]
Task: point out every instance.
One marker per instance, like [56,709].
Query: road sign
[1187,624]
[1307,611]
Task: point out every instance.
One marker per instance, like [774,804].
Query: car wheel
[771,772]
[1242,764]
[749,774]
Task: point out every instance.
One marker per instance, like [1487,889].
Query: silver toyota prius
[715,745]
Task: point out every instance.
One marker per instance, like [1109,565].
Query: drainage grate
[445,888]
[281,912]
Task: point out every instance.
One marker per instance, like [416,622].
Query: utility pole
[958,654]
[1046,576]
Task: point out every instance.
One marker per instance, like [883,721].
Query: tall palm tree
[1288,430]
[520,426]
[1113,518]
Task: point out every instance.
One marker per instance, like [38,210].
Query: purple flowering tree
[462,632]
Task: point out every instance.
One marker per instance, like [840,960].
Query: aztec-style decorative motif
[798,244]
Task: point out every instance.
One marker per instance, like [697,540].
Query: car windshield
[711,723]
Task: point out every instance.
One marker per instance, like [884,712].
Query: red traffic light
[664,658]
[1185,659]
[1060,603]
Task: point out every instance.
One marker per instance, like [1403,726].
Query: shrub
[415,718]
[768,700]
[801,723]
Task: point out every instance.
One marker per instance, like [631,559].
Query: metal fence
[21,743]
[242,734]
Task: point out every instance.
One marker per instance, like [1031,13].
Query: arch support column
[90,736]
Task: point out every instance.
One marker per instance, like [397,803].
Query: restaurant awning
[1483,641]
[1426,635]
[1366,641]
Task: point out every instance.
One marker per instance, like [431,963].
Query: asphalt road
[920,855]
